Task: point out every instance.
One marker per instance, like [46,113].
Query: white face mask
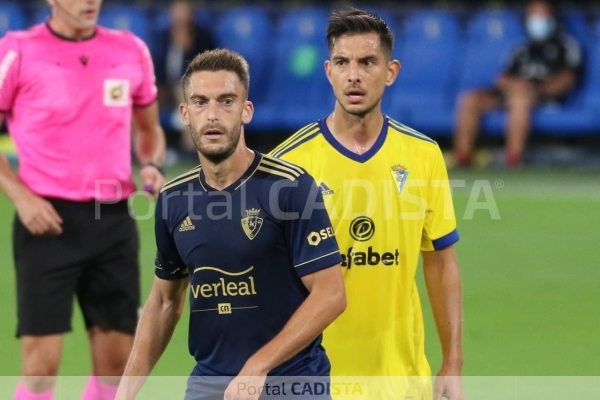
[540,27]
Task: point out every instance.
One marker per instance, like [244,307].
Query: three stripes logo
[187,225]
[325,190]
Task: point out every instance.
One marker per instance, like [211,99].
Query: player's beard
[213,153]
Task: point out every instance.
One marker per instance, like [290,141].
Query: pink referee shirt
[68,106]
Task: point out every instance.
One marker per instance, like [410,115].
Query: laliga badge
[116,92]
[399,173]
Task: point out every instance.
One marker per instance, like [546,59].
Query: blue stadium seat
[40,14]
[12,17]
[491,38]
[431,55]
[247,30]
[575,24]
[132,18]
[298,90]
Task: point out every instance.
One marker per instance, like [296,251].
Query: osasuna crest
[399,173]
[252,223]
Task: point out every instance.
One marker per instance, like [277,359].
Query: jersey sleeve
[146,92]
[309,233]
[10,59]
[168,262]
[439,230]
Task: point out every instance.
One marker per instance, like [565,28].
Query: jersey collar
[237,184]
[361,158]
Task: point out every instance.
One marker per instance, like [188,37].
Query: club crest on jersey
[399,173]
[116,92]
[252,223]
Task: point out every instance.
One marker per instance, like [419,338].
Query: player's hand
[448,384]
[153,179]
[248,385]
[38,215]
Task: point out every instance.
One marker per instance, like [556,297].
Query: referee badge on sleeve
[399,173]
[116,92]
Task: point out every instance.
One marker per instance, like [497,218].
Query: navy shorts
[95,259]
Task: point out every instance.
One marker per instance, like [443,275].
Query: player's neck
[66,31]
[222,174]
[356,133]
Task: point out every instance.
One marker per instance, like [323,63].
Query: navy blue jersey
[244,250]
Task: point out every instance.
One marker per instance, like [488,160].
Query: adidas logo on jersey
[325,189]
[187,225]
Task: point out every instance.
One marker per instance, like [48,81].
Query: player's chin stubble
[218,154]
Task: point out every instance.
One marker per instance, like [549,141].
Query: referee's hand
[153,179]
[38,215]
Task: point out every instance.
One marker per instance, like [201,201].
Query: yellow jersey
[386,206]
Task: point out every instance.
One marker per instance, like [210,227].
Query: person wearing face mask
[544,69]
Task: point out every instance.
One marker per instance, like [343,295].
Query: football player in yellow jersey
[387,192]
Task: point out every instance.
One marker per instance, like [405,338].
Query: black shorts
[95,259]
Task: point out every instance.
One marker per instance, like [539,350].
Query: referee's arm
[157,323]
[150,146]
[36,213]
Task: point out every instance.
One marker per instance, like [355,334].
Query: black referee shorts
[95,259]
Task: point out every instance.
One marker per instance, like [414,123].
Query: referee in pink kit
[69,90]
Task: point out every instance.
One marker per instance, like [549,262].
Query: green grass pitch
[530,280]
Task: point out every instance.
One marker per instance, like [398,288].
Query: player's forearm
[154,331]
[442,278]
[320,309]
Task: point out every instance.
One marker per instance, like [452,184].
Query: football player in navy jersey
[250,236]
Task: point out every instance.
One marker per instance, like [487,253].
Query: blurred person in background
[70,90]
[544,69]
[178,45]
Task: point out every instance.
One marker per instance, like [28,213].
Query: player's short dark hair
[218,60]
[355,21]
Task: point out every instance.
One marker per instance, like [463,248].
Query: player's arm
[442,278]
[155,328]
[37,214]
[326,301]
[150,146]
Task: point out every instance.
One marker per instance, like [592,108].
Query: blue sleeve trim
[446,241]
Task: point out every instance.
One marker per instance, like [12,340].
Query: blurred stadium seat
[247,30]
[127,17]
[431,54]
[298,91]
[12,17]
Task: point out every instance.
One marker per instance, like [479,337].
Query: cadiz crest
[252,223]
[399,173]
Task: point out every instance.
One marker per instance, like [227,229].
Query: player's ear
[185,114]
[247,112]
[328,69]
[394,67]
